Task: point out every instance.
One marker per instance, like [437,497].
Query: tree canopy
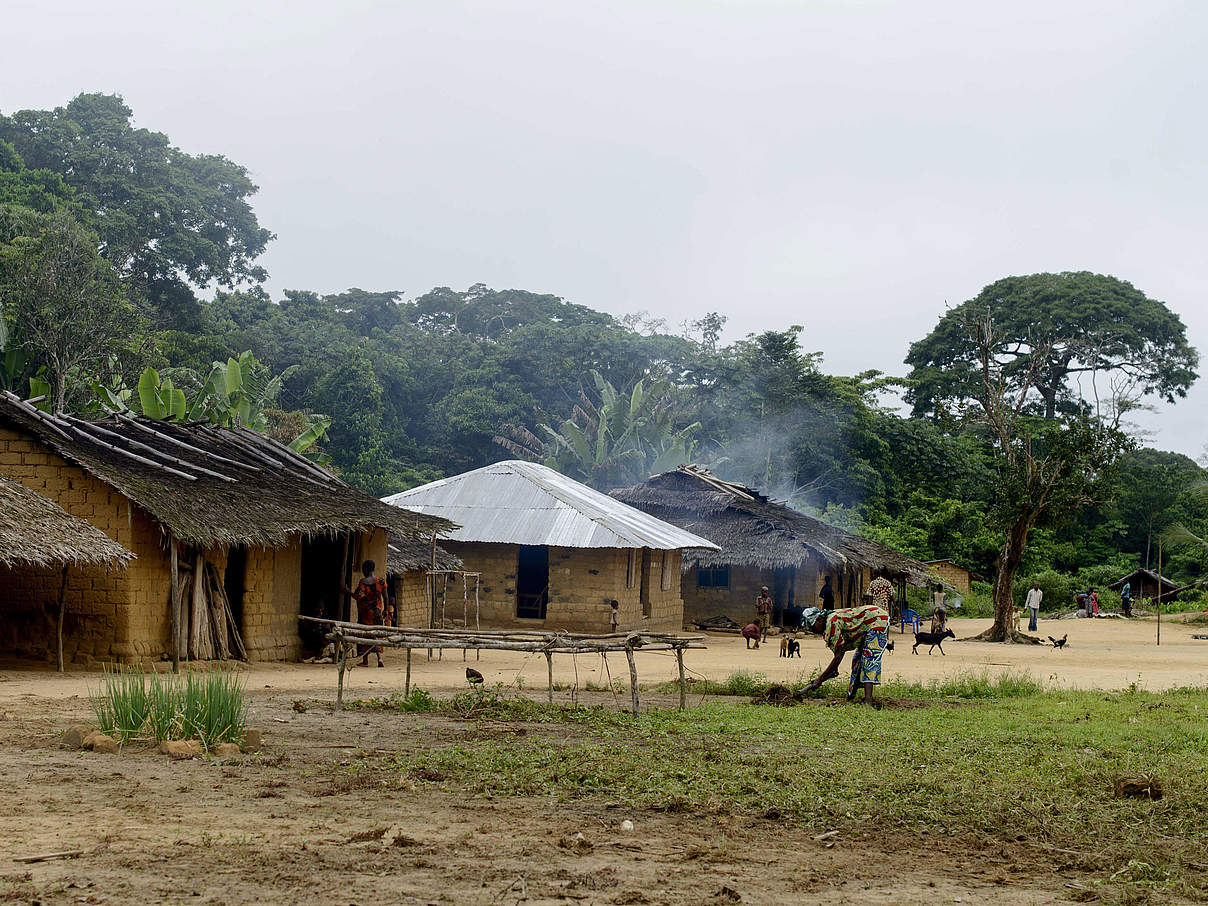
[167,220]
[1089,341]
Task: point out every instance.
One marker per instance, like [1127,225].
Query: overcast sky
[849,166]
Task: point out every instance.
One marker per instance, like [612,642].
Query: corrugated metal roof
[519,502]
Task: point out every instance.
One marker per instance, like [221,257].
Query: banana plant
[159,399]
[12,359]
[315,431]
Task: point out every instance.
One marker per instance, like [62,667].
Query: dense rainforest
[164,244]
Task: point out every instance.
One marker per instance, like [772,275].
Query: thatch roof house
[554,553]
[1145,583]
[762,542]
[253,533]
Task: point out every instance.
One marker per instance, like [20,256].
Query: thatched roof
[36,531]
[217,486]
[1137,575]
[754,530]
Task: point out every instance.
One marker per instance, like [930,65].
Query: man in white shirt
[1033,605]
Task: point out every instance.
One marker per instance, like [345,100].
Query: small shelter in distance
[553,553]
[1144,583]
[236,535]
[763,543]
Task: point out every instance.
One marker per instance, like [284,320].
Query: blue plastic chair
[909,616]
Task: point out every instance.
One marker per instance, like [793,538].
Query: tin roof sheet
[518,502]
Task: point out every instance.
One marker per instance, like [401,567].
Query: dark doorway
[234,582]
[322,583]
[645,592]
[532,581]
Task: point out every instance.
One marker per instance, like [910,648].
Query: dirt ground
[278,828]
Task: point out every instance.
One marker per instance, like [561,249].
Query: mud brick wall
[582,583]
[272,591]
[97,600]
[411,599]
[736,602]
[954,575]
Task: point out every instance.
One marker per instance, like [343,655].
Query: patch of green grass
[962,686]
[208,706]
[122,703]
[1011,763]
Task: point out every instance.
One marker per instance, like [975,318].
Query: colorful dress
[371,597]
[881,590]
[863,630]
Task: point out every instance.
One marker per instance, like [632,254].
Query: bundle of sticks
[213,632]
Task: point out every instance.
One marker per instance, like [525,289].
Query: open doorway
[645,589]
[234,582]
[323,567]
[532,581]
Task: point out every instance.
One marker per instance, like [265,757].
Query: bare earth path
[280,827]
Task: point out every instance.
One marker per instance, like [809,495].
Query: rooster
[1060,643]
[473,677]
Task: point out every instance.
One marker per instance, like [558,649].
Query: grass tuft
[208,706]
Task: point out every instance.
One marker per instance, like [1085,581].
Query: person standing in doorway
[827,595]
[373,607]
[763,612]
[1035,596]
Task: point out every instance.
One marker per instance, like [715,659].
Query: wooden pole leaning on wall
[174,567]
[633,679]
[62,595]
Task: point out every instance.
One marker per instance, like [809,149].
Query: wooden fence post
[549,664]
[683,683]
[633,679]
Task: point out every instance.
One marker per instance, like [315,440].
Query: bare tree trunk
[1007,565]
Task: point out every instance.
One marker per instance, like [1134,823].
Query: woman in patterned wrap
[863,630]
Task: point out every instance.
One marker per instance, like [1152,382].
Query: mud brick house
[762,542]
[40,544]
[554,553]
[234,534]
[953,574]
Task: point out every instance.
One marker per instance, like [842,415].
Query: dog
[889,645]
[1061,642]
[934,639]
[794,648]
[784,646]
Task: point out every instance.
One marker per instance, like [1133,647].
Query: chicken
[1060,643]
[473,677]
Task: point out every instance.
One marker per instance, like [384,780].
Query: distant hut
[762,543]
[554,553]
[244,533]
[40,542]
[1144,583]
[953,574]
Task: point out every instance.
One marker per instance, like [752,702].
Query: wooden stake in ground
[1159,592]
[62,594]
[683,683]
[174,566]
[549,664]
[633,679]
[407,683]
[341,657]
